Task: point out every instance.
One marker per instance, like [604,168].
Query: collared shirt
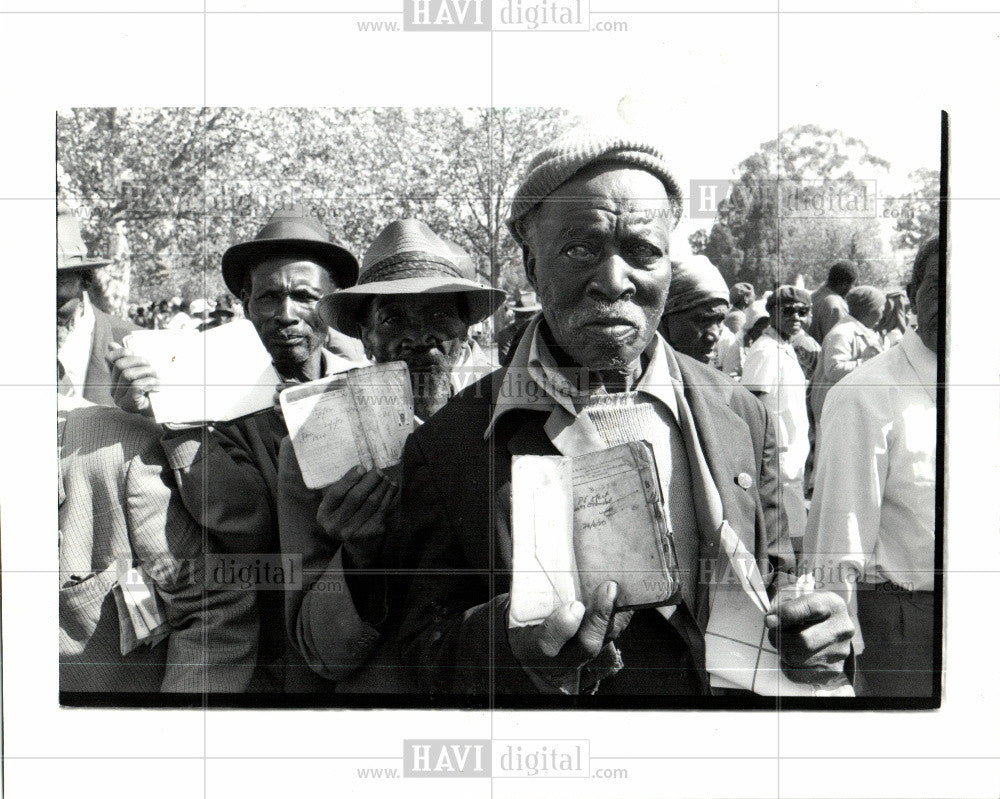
[534,382]
[873,505]
[471,365]
[74,354]
[772,369]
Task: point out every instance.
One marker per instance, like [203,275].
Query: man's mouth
[288,341]
[613,325]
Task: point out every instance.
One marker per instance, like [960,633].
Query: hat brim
[341,310]
[86,263]
[525,309]
[240,259]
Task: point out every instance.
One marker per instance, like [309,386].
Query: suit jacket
[119,508]
[227,478]
[107,329]
[455,515]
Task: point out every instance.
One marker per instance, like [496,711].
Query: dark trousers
[898,628]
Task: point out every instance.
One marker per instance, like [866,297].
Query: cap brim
[239,259]
[341,310]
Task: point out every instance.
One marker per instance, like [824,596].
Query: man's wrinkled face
[425,330]
[789,318]
[281,302]
[696,331]
[927,305]
[598,256]
[428,332]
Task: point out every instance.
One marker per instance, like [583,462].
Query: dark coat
[107,329]
[456,510]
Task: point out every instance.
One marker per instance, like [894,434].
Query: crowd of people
[176,314]
[804,422]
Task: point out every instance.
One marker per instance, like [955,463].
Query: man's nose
[420,336]
[610,280]
[286,313]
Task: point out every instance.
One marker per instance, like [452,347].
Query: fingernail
[611,590]
[577,610]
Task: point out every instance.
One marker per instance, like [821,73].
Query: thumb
[594,628]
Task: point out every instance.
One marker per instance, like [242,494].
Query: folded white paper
[215,376]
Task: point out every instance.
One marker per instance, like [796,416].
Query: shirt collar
[331,363]
[472,364]
[923,360]
[772,333]
[533,380]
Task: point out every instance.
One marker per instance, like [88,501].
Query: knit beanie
[578,149]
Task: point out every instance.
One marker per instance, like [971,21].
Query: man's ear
[529,265]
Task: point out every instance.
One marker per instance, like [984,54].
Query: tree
[803,200]
[917,212]
[698,241]
[175,187]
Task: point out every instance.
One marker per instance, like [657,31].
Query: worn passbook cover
[580,521]
[362,416]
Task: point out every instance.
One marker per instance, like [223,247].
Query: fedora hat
[289,231]
[407,257]
[71,252]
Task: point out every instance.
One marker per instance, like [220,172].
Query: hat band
[407,265]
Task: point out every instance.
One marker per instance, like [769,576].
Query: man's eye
[579,252]
[392,319]
[645,251]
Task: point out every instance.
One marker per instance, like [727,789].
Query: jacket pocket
[80,609]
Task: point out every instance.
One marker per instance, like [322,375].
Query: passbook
[215,376]
[577,522]
[362,416]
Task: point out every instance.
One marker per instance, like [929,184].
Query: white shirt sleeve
[843,526]
[839,358]
[760,369]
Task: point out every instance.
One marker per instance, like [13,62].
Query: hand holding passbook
[590,544]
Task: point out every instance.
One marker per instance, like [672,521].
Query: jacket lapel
[727,447]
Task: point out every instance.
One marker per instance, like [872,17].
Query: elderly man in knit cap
[772,372]
[849,344]
[696,308]
[594,217]
[415,300]
[227,472]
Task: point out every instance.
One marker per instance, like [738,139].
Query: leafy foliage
[802,201]
[170,189]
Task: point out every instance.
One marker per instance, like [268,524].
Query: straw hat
[407,257]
